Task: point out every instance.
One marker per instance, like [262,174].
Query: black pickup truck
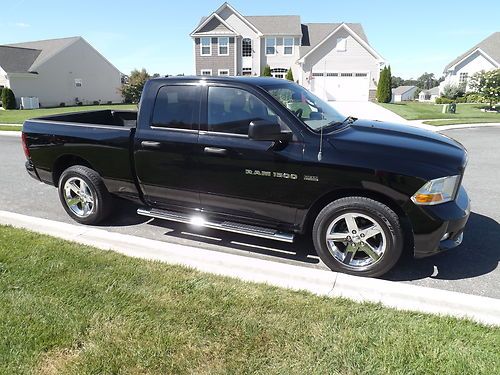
[262,157]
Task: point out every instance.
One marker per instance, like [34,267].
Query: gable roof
[47,48]
[17,60]
[400,90]
[277,25]
[490,46]
[433,91]
[205,21]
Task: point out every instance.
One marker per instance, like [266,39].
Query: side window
[230,110]
[177,107]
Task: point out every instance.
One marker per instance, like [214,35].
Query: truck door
[164,149]
[239,176]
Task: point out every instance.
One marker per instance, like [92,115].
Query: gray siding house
[334,60]
[56,71]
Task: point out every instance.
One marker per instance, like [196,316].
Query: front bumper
[30,168]
[438,228]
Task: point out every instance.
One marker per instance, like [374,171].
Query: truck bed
[108,117]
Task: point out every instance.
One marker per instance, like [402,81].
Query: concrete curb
[10,133]
[391,294]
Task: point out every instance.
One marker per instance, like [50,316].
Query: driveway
[367,110]
[471,268]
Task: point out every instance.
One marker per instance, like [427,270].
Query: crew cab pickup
[262,157]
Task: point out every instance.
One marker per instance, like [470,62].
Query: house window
[332,74]
[270,46]
[224,46]
[206,72]
[206,46]
[341,45]
[246,71]
[223,72]
[78,82]
[288,46]
[463,77]
[246,47]
[317,74]
[346,74]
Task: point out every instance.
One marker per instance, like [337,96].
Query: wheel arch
[63,163]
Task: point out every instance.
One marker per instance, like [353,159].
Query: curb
[10,133]
[320,282]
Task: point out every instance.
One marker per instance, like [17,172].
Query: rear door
[164,149]
[254,180]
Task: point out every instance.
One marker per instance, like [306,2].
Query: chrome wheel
[79,197]
[356,240]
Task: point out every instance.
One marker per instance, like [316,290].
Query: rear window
[177,107]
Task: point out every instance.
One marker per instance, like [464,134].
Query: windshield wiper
[347,120]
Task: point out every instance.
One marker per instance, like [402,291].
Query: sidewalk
[325,283]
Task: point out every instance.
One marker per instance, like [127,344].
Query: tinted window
[231,110]
[177,107]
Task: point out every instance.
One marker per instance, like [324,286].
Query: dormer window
[288,46]
[206,46]
[246,47]
[341,45]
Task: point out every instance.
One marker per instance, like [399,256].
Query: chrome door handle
[150,144]
[215,151]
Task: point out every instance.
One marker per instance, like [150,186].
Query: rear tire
[83,195]
[358,236]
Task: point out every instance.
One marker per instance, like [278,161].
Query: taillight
[25,146]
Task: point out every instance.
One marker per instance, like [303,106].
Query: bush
[451,91]
[96,102]
[62,104]
[289,75]
[8,99]
[266,72]
[384,91]
[475,98]
[487,84]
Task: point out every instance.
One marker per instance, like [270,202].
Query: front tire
[358,236]
[83,195]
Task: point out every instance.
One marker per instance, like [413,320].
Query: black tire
[102,201]
[368,212]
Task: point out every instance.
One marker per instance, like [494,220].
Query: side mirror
[261,130]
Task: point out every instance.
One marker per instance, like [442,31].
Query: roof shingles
[490,45]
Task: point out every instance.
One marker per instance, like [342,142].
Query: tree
[396,82]
[384,93]
[131,89]
[8,99]
[266,72]
[427,81]
[452,92]
[289,75]
[487,84]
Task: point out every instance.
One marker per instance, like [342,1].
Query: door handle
[150,144]
[215,151]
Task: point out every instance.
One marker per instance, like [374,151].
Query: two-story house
[483,56]
[334,60]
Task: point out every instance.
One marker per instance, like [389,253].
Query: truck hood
[409,149]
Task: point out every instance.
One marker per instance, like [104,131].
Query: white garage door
[347,86]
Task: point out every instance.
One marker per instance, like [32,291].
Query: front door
[242,177]
[164,151]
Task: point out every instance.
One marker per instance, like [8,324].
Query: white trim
[223,70]
[275,46]
[285,46]
[492,60]
[354,35]
[203,71]
[208,19]
[239,15]
[219,45]
[201,46]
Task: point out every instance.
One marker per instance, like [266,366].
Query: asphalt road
[471,268]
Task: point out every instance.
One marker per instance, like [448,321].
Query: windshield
[313,111]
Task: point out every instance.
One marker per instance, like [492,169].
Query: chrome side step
[227,226]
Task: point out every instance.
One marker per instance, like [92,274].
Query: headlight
[440,190]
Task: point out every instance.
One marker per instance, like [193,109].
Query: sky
[413,36]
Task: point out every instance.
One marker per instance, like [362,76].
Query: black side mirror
[262,130]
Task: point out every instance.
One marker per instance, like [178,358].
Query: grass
[70,309]
[16,116]
[11,128]
[461,121]
[428,111]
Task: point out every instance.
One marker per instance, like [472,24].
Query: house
[429,95]
[57,71]
[483,56]
[333,60]
[403,93]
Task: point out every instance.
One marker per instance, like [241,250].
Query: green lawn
[18,116]
[428,111]
[10,128]
[70,309]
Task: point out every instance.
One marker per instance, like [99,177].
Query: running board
[227,226]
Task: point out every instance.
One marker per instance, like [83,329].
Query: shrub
[8,99]
[96,102]
[487,84]
[384,92]
[289,75]
[62,104]
[266,72]
[475,98]
[451,91]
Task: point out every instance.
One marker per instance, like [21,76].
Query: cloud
[22,25]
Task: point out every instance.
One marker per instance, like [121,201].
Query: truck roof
[255,81]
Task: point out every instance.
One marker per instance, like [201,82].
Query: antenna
[320,153]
